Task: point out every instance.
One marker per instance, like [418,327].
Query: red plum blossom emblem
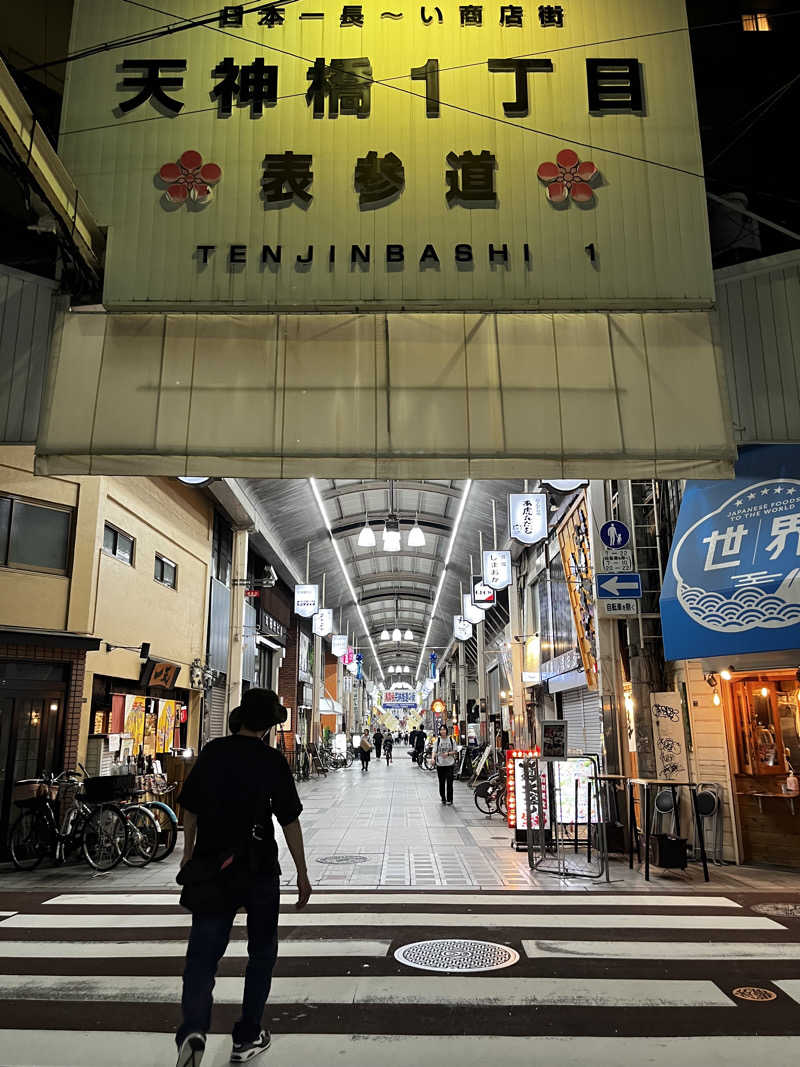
[190,178]
[568,177]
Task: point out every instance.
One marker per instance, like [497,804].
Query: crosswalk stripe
[64,950]
[662,950]
[791,987]
[68,1048]
[538,900]
[502,992]
[444,919]
[5,914]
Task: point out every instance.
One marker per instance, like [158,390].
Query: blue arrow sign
[613,586]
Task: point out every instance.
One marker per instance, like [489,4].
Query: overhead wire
[389,83]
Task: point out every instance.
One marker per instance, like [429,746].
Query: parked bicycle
[99,830]
[490,795]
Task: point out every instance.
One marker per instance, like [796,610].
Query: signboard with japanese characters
[306,600]
[497,569]
[322,623]
[483,595]
[339,645]
[479,154]
[527,517]
[462,630]
[619,561]
[470,612]
[733,578]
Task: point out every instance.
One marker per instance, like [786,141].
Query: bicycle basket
[108,787]
[31,792]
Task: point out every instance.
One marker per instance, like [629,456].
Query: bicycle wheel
[484,798]
[348,760]
[142,835]
[167,828]
[500,801]
[29,841]
[105,837]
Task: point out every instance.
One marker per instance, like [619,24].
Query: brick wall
[75,659]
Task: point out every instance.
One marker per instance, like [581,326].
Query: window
[165,571]
[118,544]
[34,536]
[756,22]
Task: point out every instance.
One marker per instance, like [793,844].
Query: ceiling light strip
[448,554]
[345,572]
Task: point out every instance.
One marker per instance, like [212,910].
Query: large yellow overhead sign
[392,155]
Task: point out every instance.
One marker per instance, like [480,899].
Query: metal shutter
[583,710]
[216,713]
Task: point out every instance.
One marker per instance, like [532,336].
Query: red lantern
[184,713]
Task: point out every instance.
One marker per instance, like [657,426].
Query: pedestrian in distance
[230,861]
[412,741]
[388,746]
[364,750]
[444,758]
[419,746]
[378,739]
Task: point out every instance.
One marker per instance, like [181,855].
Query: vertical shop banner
[462,629]
[135,707]
[527,517]
[497,569]
[339,645]
[482,595]
[470,612]
[669,737]
[306,600]
[167,710]
[576,558]
[322,623]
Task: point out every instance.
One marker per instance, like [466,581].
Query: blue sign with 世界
[733,578]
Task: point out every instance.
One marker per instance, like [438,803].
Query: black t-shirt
[236,782]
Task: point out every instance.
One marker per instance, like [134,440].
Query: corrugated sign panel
[759,319]
[479,396]
[218,626]
[25,314]
[644,213]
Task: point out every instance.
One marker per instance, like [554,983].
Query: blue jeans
[207,943]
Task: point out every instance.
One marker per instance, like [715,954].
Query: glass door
[29,728]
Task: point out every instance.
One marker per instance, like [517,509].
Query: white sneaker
[191,1051]
[248,1050]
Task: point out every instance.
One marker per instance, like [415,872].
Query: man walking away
[388,745]
[230,861]
[412,740]
[444,759]
[378,739]
[419,746]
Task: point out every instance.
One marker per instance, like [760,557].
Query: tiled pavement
[391,819]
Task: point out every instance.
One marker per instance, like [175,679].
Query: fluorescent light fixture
[416,538]
[451,543]
[396,635]
[408,636]
[338,554]
[366,539]
[385,635]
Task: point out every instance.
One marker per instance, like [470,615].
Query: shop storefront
[41,692]
[731,617]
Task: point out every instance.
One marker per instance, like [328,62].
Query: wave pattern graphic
[744,609]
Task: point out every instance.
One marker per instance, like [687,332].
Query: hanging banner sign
[306,600]
[322,623]
[470,612]
[527,517]
[497,569]
[482,596]
[339,645]
[462,630]
[349,656]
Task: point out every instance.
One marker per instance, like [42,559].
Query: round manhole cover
[791,911]
[754,992]
[456,956]
[342,859]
